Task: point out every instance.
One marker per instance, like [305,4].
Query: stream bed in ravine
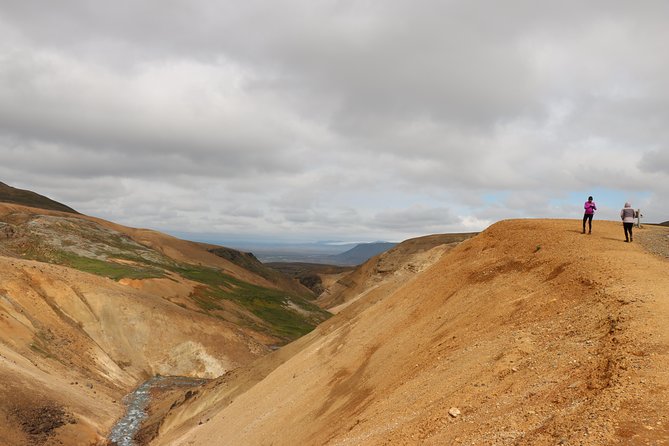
[124,431]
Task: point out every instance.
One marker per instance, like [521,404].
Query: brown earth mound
[528,334]
[10,194]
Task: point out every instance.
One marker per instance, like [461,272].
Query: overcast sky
[347,120]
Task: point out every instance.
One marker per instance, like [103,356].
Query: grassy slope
[271,306]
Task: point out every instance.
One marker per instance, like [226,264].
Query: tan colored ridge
[530,333]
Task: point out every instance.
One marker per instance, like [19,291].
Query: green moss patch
[112,270]
[270,305]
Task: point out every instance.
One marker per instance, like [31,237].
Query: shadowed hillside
[250,263]
[10,194]
[361,253]
[529,333]
[314,276]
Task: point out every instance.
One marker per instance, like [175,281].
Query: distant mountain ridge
[9,194]
[249,262]
[349,254]
[361,253]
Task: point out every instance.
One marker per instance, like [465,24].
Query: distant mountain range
[340,254]
[361,253]
[322,252]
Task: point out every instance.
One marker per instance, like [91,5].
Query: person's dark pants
[628,230]
[588,218]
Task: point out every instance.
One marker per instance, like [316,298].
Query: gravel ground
[654,238]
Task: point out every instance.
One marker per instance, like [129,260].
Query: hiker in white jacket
[627,214]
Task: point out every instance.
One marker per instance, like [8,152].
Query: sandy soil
[528,334]
[77,343]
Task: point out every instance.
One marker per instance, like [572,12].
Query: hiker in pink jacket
[590,208]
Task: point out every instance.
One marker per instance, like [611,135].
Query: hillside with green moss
[280,314]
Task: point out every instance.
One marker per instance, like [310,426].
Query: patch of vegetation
[111,270]
[104,268]
[135,256]
[205,300]
[202,274]
[42,422]
[270,305]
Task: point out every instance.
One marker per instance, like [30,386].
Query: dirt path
[643,323]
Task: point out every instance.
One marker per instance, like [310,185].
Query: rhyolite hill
[89,309]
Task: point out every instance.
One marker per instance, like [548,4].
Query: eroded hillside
[528,334]
[89,309]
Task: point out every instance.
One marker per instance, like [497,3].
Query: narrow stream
[124,431]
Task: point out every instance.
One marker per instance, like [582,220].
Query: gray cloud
[354,119]
[403,220]
[656,161]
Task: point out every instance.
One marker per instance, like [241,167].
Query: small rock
[454,412]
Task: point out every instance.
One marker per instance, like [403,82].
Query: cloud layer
[335,119]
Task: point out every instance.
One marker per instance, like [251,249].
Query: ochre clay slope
[77,343]
[530,333]
[89,309]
